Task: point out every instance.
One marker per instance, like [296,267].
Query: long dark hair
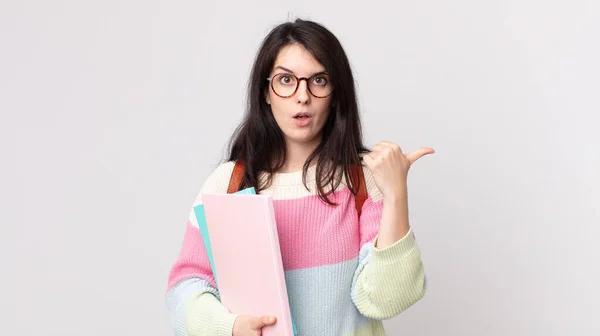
[259,141]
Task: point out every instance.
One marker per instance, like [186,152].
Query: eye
[286,79]
[321,80]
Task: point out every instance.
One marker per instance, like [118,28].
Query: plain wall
[114,112]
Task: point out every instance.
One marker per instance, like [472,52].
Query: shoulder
[217,181]
[372,189]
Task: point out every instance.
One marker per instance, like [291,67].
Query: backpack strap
[237,176]
[356,174]
[358,177]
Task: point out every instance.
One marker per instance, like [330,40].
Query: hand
[245,325]
[390,166]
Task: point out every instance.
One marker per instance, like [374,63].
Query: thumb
[414,156]
[265,321]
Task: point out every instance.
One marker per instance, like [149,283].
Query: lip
[302,122]
[302,112]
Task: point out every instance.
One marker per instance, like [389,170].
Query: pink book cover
[247,257]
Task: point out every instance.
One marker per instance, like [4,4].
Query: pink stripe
[370,220]
[313,233]
[192,260]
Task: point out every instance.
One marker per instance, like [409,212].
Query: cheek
[324,109]
[280,106]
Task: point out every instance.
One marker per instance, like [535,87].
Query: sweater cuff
[225,324]
[205,315]
[398,250]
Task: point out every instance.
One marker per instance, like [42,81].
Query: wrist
[397,195]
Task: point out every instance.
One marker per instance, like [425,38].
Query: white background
[114,112]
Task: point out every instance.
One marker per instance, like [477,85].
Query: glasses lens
[320,85]
[284,84]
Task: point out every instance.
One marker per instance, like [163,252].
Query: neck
[296,156]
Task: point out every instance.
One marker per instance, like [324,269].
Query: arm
[205,315]
[390,276]
[192,297]
[394,219]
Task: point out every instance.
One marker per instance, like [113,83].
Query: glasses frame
[298,79]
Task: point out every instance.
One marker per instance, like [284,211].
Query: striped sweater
[338,281]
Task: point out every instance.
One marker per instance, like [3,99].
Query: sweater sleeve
[192,297]
[387,281]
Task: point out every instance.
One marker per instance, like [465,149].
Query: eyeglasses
[285,85]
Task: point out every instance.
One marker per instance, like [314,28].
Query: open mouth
[302,119]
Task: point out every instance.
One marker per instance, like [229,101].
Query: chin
[301,139]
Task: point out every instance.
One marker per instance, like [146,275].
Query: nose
[302,94]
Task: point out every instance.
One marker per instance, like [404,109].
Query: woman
[347,268]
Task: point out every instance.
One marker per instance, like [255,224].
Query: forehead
[298,59]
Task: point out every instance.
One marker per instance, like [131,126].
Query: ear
[268,96]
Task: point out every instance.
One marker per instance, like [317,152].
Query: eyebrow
[290,71]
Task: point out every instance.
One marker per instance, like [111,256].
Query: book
[239,232]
